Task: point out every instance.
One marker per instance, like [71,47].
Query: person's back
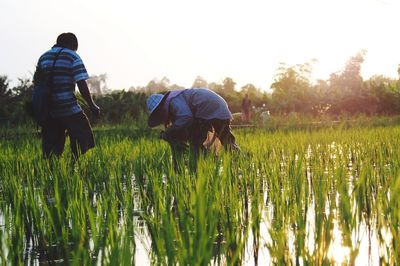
[206,104]
[68,70]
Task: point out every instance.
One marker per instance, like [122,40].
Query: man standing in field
[246,104]
[188,116]
[66,115]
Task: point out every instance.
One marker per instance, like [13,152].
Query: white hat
[153,102]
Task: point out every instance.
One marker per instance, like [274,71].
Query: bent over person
[189,115]
[66,115]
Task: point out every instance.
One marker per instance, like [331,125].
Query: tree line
[293,91]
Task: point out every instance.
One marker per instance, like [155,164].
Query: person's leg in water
[178,150]
[197,135]
[53,141]
[224,133]
[179,147]
[53,138]
[80,134]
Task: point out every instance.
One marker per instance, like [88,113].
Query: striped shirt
[68,70]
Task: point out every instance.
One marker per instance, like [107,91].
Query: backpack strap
[52,70]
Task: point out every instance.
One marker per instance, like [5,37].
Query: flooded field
[322,197]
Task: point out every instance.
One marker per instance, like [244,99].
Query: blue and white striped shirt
[68,70]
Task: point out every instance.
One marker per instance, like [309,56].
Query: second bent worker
[188,116]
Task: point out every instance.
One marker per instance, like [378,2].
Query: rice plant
[305,197]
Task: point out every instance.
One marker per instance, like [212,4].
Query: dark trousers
[76,126]
[198,133]
[193,137]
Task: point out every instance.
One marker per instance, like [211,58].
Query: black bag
[43,86]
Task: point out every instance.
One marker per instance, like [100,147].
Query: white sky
[136,41]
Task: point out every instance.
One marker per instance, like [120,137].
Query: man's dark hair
[67,40]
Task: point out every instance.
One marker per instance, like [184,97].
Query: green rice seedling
[308,188]
[320,192]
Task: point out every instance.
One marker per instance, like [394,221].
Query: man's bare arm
[84,90]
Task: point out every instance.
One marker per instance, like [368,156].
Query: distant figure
[246,105]
[188,116]
[66,115]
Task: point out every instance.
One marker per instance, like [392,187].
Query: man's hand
[84,90]
[162,135]
[95,110]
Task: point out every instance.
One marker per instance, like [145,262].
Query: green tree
[384,95]
[228,85]
[217,87]
[122,106]
[251,90]
[322,103]
[22,94]
[346,92]
[98,84]
[292,89]
[157,85]
[5,96]
[200,82]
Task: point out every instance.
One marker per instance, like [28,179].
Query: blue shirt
[68,70]
[195,103]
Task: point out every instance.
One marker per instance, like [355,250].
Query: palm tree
[98,83]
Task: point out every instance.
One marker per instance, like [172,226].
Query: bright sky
[135,41]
